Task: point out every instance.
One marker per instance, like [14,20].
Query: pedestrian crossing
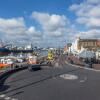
[5,97]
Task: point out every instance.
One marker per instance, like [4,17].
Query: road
[48,84]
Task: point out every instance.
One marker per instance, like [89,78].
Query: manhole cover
[69,76]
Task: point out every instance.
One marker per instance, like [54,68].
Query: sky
[49,23]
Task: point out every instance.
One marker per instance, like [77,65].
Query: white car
[10,61]
[20,60]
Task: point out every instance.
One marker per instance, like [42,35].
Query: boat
[3,50]
[6,62]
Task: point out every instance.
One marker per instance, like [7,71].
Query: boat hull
[4,51]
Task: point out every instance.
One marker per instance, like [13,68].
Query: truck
[35,62]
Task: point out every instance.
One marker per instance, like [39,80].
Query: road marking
[56,64]
[69,76]
[81,81]
[14,99]
[2,96]
[7,98]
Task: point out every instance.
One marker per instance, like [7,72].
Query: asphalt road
[48,84]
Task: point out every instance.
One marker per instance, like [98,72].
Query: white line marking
[14,99]
[69,76]
[81,81]
[2,96]
[7,98]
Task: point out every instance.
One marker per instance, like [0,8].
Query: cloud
[33,32]
[87,13]
[89,22]
[53,25]
[14,22]
[53,30]
[93,33]
[15,29]
[57,29]
[93,1]
[12,26]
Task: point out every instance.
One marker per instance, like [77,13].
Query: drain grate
[69,77]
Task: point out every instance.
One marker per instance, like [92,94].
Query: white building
[98,55]
[28,47]
[74,47]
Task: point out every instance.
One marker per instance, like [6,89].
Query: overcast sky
[49,22]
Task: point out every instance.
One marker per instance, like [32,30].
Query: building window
[86,44]
[95,44]
[91,43]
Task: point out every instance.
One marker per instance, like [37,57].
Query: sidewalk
[96,66]
[74,60]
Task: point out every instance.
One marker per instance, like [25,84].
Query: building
[89,44]
[98,55]
[67,48]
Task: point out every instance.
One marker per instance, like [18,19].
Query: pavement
[49,84]
[75,60]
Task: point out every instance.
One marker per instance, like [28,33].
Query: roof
[88,40]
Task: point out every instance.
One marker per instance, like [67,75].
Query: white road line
[69,76]
[2,95]
[14,99]
[7,98]
[81,81]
